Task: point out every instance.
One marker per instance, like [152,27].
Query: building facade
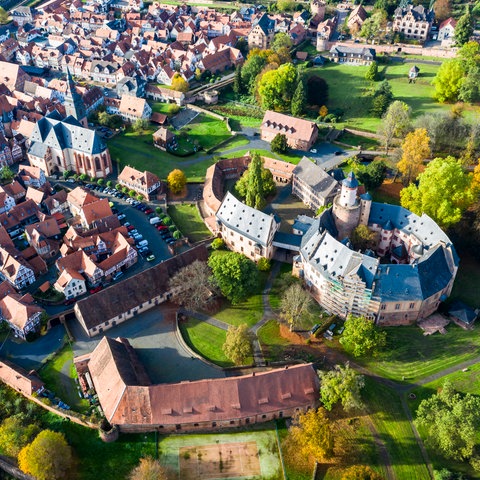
[413,22]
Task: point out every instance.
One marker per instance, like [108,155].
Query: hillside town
[239,240]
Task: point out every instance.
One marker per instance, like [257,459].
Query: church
[67,144]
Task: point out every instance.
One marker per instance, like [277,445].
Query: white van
[154,220]
[143,243]
[137,237]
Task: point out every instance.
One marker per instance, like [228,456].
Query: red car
[148,211]
[130,228]
[161,227]
[69,301]
[96,289]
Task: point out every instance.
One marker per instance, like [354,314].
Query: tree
[238,344]
[317,91]
[234,274]
[279,143]
[179,83]
[299,100]
[373,25]
[4,18]
[192,285]
[372,72]
[140,125]
[285,5]
[295,305]
[372,175]
[237,80]
[444,192]
[15,434]
[149,469]
[264,264]
[312,433]
[451,421]
[464,27]
[251,69]
[395,122]
[6,174]
[362,337]
[276,88]
[66,174]
[363,238]
[323,112]
[382,98]
[218,244]
[48,457]
[448,80]
[442,9]
[360,472]
[281,40]
[415,150]
[173,109]
[470,89]
[176,181]
[109,184]
[256,183]
[342,384]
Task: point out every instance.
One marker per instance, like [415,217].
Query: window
[383,307]
[397,306]
[412,305]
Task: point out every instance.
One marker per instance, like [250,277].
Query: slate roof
[52,131]
[461,311]
[265,23]
[317,178]
[341,51]
[245,220]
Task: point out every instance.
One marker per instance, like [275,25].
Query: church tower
[73,102]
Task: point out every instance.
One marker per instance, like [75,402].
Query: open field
[206,340]
[350,92]
[410,355]
[207,131]
[189,222]
[243,455]
[59,376]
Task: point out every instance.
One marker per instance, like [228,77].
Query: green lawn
[282,280]
[271,341]
[237,141]
[357,140]
[410,355]
[207,131]
[350,92]
[160,107]
[206,340]
[189,222]
[59,376]
[387,413]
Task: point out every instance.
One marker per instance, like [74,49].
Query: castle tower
[365,206]
[346,207]
[73,102]
[386,236]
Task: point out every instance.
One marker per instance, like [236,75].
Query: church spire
[73,101]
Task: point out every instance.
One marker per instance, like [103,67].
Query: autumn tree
[373,25]
[444,192]
[238,344]
[442,9]
[4,18]
[295,305]
[48,457]
[299,100]
[279,144]
[449,79]
[451,421]
[149,469]
[464,27]
[176,181]
[256,183]
[372,72]
[415,150]
[312,434]
[360,472]
[323,112]
[341,385]
[192,285]
[363,238]
[395,122]
[235,275]
[179,83]
[15,434]
[276,88]
[362,337]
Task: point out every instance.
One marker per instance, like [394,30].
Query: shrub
[118,187]
[173,108]
[93,179]
[132,193]
[218,244]
[109,184]
[167,221]
[101,181]
[177,234]
[83,177]
[159,210]
[264,264]
[172,228]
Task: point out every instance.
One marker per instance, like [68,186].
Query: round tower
[386,236]
[346,207]
[365,206]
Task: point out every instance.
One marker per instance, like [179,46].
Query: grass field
[172,447]
[271,341]
[189,222]
[387,413]
[350,92]
[206,340]
[207,131]
[59,376]
[357,140]
[410,355]
[237,141]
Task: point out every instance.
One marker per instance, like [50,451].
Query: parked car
[70,301]
[143,243]
[130,228]
[154,221]
[117,275]
[148,210]
[161,228]
[121,216]
[151,258]
[96,289]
